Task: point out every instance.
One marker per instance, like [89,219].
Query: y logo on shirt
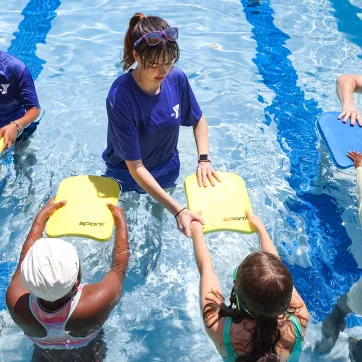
[176,109]
[4,88]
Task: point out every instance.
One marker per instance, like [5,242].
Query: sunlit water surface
[158,317]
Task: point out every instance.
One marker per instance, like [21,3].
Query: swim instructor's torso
[17,89]
[147,127]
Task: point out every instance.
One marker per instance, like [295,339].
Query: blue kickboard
[340,137]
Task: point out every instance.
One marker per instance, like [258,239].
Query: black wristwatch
[204,157]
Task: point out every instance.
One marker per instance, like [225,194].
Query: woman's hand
[205,172]
[9,132]
[254,221]
[356,157]
[49,209]
[350,111]
[184,220]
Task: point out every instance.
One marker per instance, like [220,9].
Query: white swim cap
[50,269]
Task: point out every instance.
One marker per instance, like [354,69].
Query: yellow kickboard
[223,206]
[85,213]
[1,144]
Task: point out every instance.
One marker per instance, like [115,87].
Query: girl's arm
[204,170]
[151,186]
[209,282]
[16,289]
[10,131]
[266,244]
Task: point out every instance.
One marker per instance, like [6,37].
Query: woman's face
[153,73]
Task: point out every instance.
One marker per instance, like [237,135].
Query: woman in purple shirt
[19,105]
[146,107]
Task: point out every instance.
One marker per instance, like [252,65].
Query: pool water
[262,71]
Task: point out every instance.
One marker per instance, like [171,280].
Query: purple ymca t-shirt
[143,127]
[17,89]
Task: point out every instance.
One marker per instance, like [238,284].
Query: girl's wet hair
[166,52]
[264,285]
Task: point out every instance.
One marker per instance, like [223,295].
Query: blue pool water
[263,71]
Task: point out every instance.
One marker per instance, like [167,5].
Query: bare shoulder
[96,302]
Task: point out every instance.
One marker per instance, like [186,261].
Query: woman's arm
[151,186]
[347,84]
[204,170]
[10,131]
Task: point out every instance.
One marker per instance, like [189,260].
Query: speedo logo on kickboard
[87,223]
[235,218]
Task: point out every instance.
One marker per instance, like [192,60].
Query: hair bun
[135,19]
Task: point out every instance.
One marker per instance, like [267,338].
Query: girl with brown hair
[146,107]
[267,318]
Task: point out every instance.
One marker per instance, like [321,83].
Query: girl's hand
[196,227]
[184,219]
[9,133]
[49,209]
[254,221]
[117,213]
[205,172]
[356,157]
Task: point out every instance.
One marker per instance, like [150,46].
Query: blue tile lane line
[33,30]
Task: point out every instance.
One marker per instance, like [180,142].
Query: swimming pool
[262,72]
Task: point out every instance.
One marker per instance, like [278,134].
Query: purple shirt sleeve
[122,131]
[27,96]
[190,109]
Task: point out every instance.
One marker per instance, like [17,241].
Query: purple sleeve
[190,110]
[26,90]
[123,132]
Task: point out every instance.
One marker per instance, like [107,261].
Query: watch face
[203,157]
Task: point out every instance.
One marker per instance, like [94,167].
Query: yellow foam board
[223,206]
[85,213]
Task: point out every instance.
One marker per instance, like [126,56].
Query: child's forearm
[266,244]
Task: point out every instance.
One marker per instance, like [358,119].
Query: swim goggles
[154,37]
[239,304]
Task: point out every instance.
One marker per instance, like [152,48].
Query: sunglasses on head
[154,38]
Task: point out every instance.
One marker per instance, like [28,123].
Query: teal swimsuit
[294,355]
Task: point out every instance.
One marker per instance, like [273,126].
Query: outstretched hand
[356,157]
[49,209]
[196,226]
[254,221]
[117,212]
[184,220]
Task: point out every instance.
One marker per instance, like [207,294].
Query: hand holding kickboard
[223,206]
[340,137]
[85,213]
